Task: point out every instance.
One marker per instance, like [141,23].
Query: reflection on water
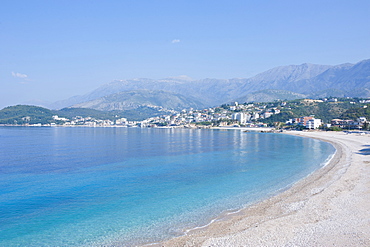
[131,185]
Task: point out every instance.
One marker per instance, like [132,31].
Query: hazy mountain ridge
[277,77]
[313,80]
[137,98]
[346,78]
[269,95]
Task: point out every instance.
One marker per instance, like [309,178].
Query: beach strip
[331,207]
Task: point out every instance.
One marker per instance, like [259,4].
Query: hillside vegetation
[27,114]
[326,111]
[344,108]
[23,114]
[356,112]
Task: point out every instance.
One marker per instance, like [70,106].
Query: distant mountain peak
[347,79]
[291,73]
[180,78]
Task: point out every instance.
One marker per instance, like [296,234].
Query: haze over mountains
[133,99]
[284,83]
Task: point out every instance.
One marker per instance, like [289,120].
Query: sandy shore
[331,207]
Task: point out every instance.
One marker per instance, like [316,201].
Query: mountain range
[284,83]
[133,99]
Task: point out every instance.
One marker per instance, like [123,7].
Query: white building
[276,111]
[121,121]
[255,116]
[313,123]
[55,117]
[267,114]
[361,120]
[241,117]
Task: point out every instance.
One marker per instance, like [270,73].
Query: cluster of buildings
[225,115]
[313,123]
[308,122]
[349,124]
[93,122]
[234,115]
[248,115]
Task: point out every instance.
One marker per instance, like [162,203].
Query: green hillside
[270,95]
[344,108]
[141,113]
[356,112]
[86,112]
[27,114]
[326,111]
[23,114]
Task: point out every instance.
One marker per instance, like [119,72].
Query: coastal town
[185,123]
[228,115]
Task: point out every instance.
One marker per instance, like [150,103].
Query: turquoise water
[126,186]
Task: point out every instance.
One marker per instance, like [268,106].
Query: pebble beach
[330,207]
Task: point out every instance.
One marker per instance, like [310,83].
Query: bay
[129,186]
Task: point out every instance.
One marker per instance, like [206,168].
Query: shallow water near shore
[123,186]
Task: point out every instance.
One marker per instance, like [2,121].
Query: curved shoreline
[312,212]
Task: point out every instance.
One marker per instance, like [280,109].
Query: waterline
[134,186]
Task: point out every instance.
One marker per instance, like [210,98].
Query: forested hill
[22,114]
[345,108]
[27,114]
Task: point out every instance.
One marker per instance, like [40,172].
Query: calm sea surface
[124,186]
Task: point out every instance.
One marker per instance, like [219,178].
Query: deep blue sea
[126,186]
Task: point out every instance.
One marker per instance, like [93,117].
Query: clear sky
[51,50]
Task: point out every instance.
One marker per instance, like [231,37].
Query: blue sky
[52,50]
